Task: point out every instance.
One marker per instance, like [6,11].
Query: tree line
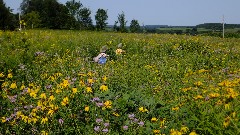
[51,14]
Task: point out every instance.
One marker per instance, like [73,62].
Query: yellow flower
[227,106]
[89,90]
[103,88]
[175,108]
[4,119]
[108,104]
[74,90]
[50,112]
[34,120]
[156,131]
[141,109]
[193,133]
[162,122]
[90,81]
[51,98]
[1,75]
[81,83]
[199,83]
[13,85]
[104,78]
[184,130]
[119,51]
[44,133]
[65,101]
[33,94]
[175,132]
[86,108]
[116,114]
[44,120]
[154,119]
[198,97]
[43,96]
[9,75]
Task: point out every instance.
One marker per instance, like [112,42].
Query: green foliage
[134,26]
[101,18]
[122,22]
[85,20]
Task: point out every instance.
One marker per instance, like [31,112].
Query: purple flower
[60,121]
[96,128]
[131,116]
[48,86]
[141,123]
[99,104]
[95,99]
[135,120]
[106,124]
[98,120]
[125,127]
[105,130]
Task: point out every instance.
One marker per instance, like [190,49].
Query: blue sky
[162,12]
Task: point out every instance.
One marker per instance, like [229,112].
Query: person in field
[101,58]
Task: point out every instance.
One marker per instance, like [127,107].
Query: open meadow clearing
[161,84]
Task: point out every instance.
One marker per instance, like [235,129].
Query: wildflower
[175,108]
[199,83]
[43,96]
[156,131]
[13,85]
[119,51]
[198,97]
[106,124]
[51,98]
[125,127]
[44,120]
[89,89]
[50,112]
[90,81]
[175,132]
[103,88]
[131,116]
[9,75]
[108,104]
[1,74]
[4,119]
[141,109]
[105,130]
[44,133]
[97,128]
[98,120]
[95,99]
[74,90]
[154,119]
[34,120]
[193,133]
[65,101]
[141,123]
[116,114]
[184,129]
[60,121]
[104,78]
[99,104]
[86,108]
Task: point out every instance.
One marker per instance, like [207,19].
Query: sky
[161,12]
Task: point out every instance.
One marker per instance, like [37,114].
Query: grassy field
[162,84]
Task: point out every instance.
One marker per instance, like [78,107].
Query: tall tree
[134,26]
[7,19]
[73,7]
[122,22]
[85,19]
[101,18]
[32,19]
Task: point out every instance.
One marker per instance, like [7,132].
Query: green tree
[52,14]
[122,22]
[32,19]
[101,18]
[85,19]
[7,20]
[73,7]
[134,26]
